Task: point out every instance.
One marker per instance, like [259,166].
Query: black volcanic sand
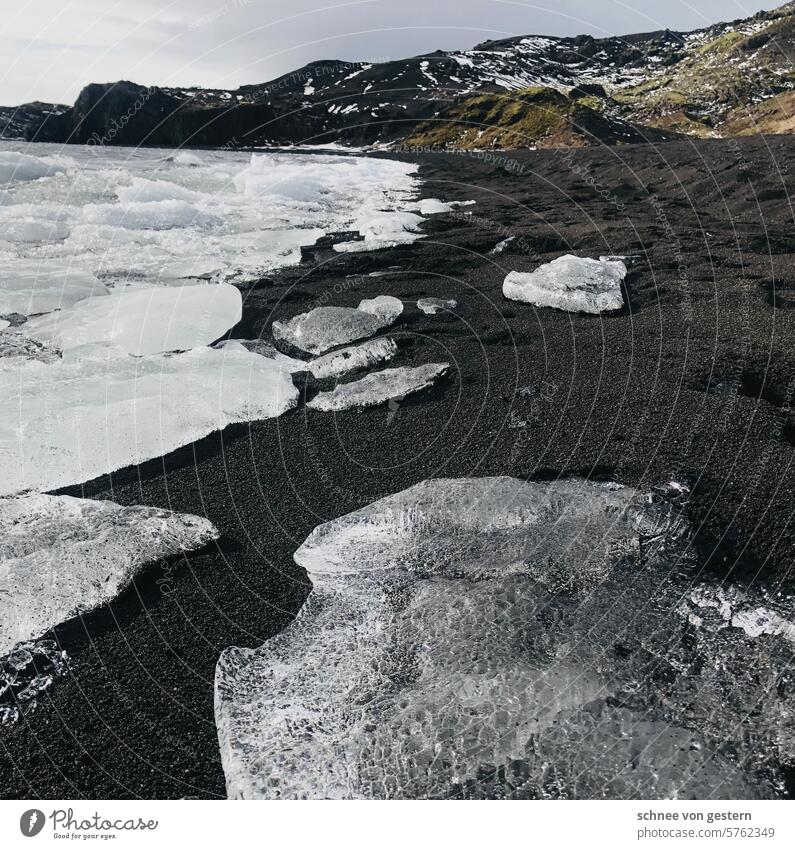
[691,381]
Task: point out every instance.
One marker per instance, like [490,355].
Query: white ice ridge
[570,283]
[422,655]
[430,306]
[370,353]
[60,556]
[69,421]
[379,387]
[18,167]
[324,328]
[37,287]
[144,321]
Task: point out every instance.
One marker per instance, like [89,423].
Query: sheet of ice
[265,349]
[60,556]
[570,283]
[384,306]
[430,306]
[70,421]
[356,357]
[30,288]
[155,216]
[144,321]
[379,387]
[324,328]
[462,639]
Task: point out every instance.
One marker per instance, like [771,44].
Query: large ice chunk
[504,639]
[324,328]
[60,556]
[30,288]
[353,358]
[570,283]
[386,307]
[144,321]
[379,387]
[70,421]
[421,655]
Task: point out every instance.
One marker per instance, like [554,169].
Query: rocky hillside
[732,78]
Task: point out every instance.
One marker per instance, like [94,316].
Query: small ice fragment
[144,321]
[379,387]
[30,288]
[60,556]
[4,324]
[430,306]
[324,328]
[384,306]
[433,206]
[502,246]
[353,358]
[570,283]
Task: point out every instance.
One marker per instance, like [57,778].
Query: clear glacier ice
[498,638]
[379,387]
[324,328]
[60,556]
[386,307]
[430,306]
[353,358]
[570,283]
[144,321]
[69,421]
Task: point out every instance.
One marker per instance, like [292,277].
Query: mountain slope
[725,79]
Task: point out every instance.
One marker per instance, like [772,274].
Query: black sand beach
[691,382]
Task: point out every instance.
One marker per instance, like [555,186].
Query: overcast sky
[49,49]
